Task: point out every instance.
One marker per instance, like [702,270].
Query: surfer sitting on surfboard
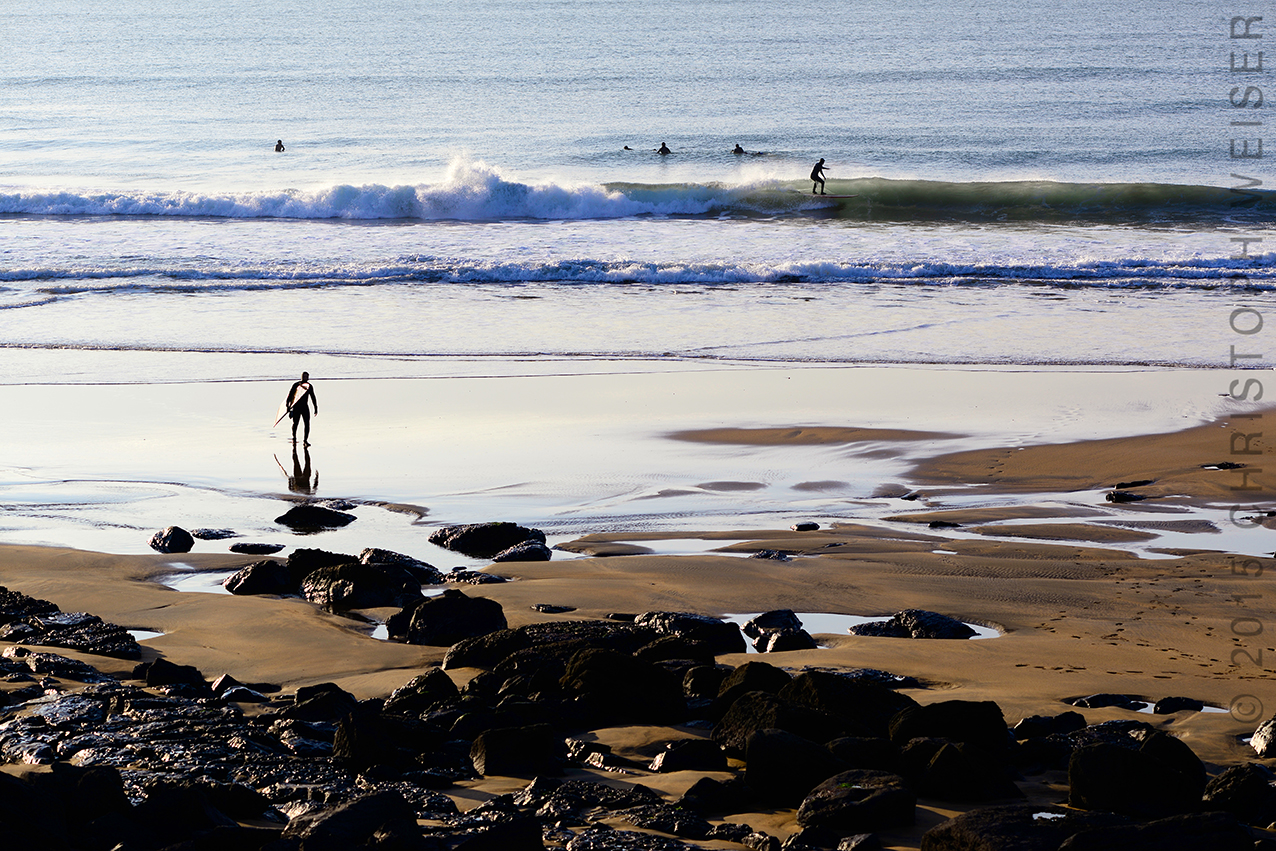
[817,176]
[300,397]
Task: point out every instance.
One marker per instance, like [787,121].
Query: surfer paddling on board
[300,397]
[817,177]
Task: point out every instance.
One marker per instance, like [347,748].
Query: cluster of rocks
[169,760]
[306,518]
[778,630]
[40,622]
[373,579]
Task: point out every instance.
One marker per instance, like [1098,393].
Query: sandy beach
[1156,597]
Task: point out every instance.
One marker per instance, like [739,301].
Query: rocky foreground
[168,760]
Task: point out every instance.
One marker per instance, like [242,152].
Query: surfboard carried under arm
[286,406]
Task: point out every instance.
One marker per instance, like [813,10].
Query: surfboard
[813,195]
[286,405]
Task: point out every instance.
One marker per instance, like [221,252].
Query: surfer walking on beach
[300,397]
[817,177]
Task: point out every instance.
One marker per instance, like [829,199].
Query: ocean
[468,192]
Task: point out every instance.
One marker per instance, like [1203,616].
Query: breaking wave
[477,192]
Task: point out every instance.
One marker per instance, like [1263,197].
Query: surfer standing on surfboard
[300,397]
[817,176]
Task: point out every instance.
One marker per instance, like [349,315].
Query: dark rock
[366,738]
[708,795]
[751,676]
[360,586]
[1170,705]
[484,540]
[758,841]
[729,832]
[1245,791]
[307,518]
[16,606]
[863,707]
[1151,775]
[262,577]
[162,672]
[214,534]
[977,723]
[599,837]
[526,551]
[551,609]
[773,555]
[322,702]
[421,693]
[778,619]
[303,561]
[613,688]
[174,539]
[915,623]
[805,527]
[517,833]
[1264,739]
[866,752]
[1014,827]
[1191,832]
[176,811]
[668,819]
[722,636]
[1124,496]
[690,755]
[673,647]
[859,802]
[77,631]
[423,572]
[956,771]
[251,549]
[557,639]
[781,768]
[860,842]
[570,800]
[703,681]
[783,640]
[1103,701]
[446,619]
[474,577]
[351,825]
[755,710]
[811,839]
[1040,726]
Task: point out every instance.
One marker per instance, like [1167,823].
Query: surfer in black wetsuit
[738,150]
[279,146]
[299,409]
[817,177]
[663,150]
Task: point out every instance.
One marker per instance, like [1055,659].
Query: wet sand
[979,534]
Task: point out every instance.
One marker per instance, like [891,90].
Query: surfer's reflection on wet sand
[299,480]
